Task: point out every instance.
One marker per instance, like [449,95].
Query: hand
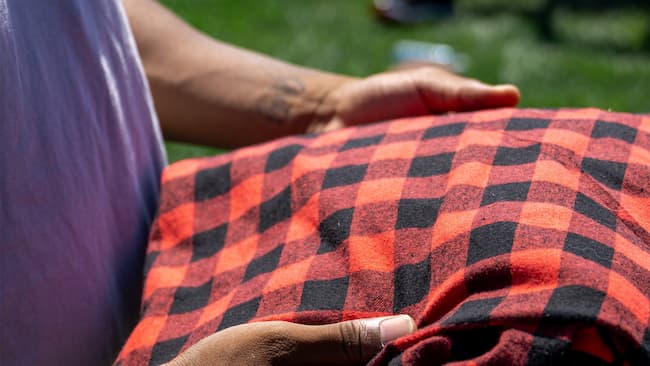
[410,92]
[272,343]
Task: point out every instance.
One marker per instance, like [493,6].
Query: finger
[445,92]
[347,343]
[476,95]
[482,96]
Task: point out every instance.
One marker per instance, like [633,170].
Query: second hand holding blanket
[511,236]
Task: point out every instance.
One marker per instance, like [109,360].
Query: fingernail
[392,328]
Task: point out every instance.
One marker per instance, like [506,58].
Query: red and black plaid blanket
[511,236]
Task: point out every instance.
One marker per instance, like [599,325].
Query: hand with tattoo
[410,92]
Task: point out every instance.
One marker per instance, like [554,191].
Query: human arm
[350,342]
[212,93]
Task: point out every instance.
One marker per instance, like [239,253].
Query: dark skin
[281,343]
[211,93]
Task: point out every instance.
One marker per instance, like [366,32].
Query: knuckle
[276,342]
[350,335]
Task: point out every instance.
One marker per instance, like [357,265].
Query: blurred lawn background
[598,60]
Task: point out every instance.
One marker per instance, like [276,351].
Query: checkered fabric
[511,236]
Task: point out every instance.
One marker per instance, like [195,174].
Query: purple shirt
[80,160]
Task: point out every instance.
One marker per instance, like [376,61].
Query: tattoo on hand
[275,104]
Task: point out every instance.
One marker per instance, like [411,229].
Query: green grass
[597,62]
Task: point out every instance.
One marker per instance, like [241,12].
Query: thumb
[351,342]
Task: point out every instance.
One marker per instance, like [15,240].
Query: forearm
[211,93]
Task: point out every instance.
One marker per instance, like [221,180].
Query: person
[82,156]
